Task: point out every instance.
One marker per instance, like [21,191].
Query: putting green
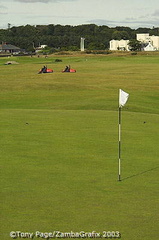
[59,146]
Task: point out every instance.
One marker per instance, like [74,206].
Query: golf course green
[59,146]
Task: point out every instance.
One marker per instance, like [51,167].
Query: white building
[155,41]
[143,37]
[150,43]
[121,45]
[41,47]
[149,47]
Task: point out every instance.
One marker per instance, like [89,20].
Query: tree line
[59,37]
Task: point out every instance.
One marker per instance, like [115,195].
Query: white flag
[123,97]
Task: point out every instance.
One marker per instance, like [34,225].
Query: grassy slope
[60,169]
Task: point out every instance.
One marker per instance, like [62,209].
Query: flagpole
[123,97]
[119,170]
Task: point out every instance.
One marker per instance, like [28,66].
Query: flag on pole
[123,97]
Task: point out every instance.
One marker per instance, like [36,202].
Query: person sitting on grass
[67,69]
[43,70]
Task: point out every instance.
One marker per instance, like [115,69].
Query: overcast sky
[132,13]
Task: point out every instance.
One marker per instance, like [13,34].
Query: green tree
[116,35]
[125,35]
[134,45]
[68,37]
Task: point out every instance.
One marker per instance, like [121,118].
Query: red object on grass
[49,70]
[71,71]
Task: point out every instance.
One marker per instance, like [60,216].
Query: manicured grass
[59,146]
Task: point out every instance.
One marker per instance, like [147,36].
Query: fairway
[59,146]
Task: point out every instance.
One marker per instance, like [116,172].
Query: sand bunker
[11,62]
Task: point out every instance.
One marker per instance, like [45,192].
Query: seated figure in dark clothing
[67,69]
[43,70]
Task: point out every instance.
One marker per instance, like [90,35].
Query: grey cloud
[145,16]
[135,23]
[130,19]
[1,13]
[52,16]
[2,7]
[33,1]
[148,22]
[100,21]
[156,13]
[41,1]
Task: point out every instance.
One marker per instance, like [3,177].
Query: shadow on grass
[138,174]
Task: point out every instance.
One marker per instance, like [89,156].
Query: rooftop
[6,46]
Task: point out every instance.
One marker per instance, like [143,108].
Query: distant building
[149,43]
[121,45]
[149,47]
[43,46]
[40,48]
[8,48]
